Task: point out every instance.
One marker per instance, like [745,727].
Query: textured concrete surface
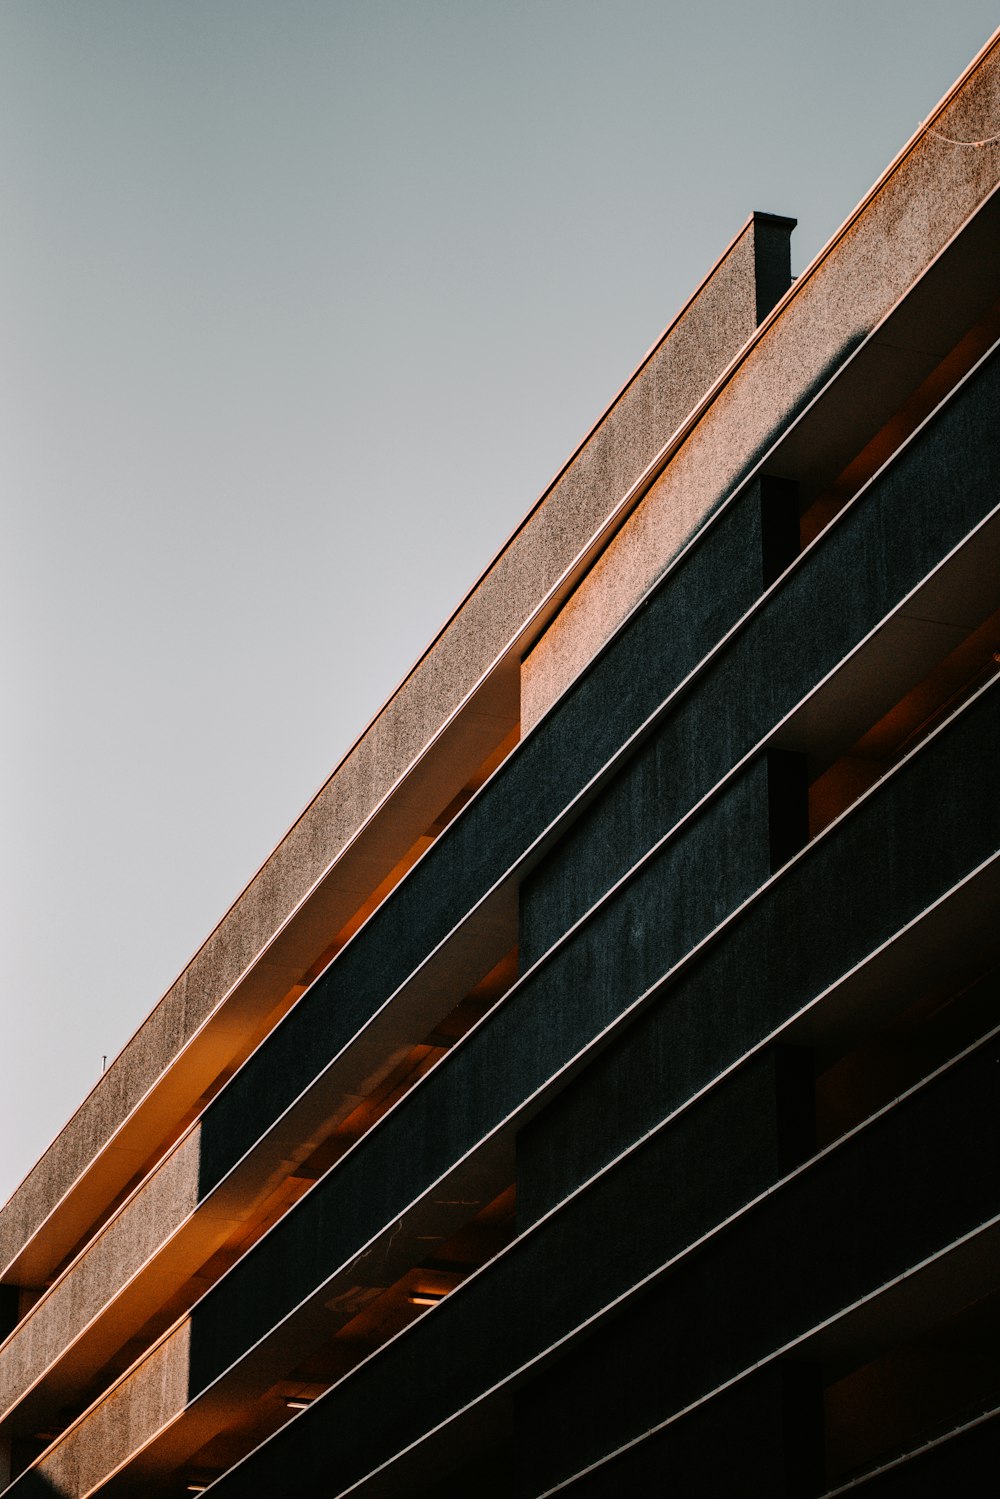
[727,551]
[128,1415]
[118,1252]
[153,1392]
[695,348]
[910,216]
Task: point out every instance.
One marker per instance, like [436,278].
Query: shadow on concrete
[32,1485]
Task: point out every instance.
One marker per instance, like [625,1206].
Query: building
[596,1090]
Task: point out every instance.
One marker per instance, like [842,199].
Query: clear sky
[302,303]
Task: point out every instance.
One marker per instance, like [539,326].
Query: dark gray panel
[903,1188]
[924,503]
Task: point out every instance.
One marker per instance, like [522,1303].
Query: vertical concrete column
[788,804]
[779,525]
[10,1298]
[772,259]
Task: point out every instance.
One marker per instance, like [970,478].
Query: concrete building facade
[594,1093]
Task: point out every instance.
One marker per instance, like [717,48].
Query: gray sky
[301,306]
